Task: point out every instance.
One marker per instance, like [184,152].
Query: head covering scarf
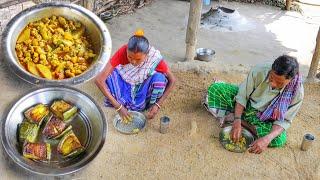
[135,75]
[279,105]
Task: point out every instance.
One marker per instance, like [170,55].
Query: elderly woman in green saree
[265,103]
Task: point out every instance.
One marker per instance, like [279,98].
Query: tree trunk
[288,5]
[192,28]
[315,59]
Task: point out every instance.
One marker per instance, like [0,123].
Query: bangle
[158,105]
[119,108]
[237,117]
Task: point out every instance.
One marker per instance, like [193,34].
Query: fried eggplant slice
[37,151]
[69,145]
[63,110]
[55,128]
[28,131]
[37,113]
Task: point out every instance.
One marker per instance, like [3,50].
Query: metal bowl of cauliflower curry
[56,43]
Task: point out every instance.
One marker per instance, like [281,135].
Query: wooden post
[89,4]
[192,28]
[288,5]
[315,59]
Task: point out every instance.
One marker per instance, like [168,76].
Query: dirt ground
[177,155]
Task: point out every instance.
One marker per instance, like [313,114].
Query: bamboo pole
[315,59]
[192,28]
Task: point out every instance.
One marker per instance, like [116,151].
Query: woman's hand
[152,112]
[259,145]
[124,114]
[236,126]
[236,131]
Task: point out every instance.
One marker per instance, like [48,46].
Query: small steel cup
[307,142]
[164,124]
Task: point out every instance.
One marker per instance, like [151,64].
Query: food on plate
[127,120]
[239,146]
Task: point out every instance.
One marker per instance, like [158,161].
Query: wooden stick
[315,59]
[192,28]
[75,2]
[288,5]
[105,7]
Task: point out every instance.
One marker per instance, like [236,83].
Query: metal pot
[95,28]
[205,54]
[89,125]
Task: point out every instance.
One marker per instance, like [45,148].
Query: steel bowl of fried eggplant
[54,131]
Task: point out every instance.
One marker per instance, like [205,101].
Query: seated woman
[265,103]
[136,78]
